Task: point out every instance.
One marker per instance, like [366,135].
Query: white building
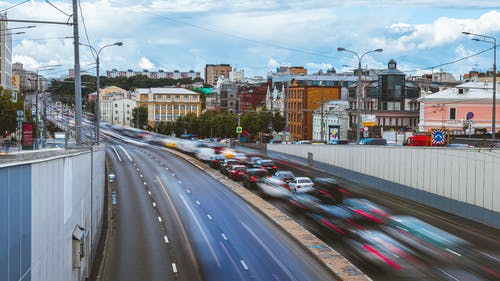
[118,111]
[335,120]
[5,54]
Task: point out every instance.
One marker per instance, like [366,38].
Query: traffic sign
[366,129]
[470,115]
[239,130]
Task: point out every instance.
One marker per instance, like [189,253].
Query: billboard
[368,120]
[27,134]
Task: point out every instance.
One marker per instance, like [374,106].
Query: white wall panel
[496,181]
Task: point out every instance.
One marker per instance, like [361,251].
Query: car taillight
[252,178]
[274,167]
[216,161]
[299,186]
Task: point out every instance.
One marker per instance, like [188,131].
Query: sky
[256,35]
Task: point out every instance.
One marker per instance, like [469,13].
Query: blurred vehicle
[204,153]
[419,140]
[373,141]
[236,172]
[273,141]
[170,143]
[111,177]
[380,250]
[285,176]
[241,157]
[367,210]
[215,160]
[251,161]
[267,165]
[329,190]
[253,176]
[304,142]
[226,164]
[305,202]
[301,184]
[273,187]
[337,218]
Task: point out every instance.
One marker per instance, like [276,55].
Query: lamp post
[37,122]
[97,108]
[358,88]
[491,40]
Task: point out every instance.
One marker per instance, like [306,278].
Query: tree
[8,112]
[142,121]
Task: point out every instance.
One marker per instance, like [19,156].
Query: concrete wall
[62,191]
[465,182]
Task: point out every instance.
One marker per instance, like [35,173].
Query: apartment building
[214,71]
[168,104]
[160,74]
[5,54]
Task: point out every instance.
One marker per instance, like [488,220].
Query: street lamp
[484,38]
[97,109]
[37,122]
[358,88]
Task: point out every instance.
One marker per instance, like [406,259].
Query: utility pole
[78,80]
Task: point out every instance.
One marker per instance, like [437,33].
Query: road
[174,222]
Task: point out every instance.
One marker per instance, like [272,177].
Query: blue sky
[259,35]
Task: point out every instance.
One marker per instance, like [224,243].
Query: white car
[301,184]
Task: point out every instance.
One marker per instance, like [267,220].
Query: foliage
[8,109]
[142,112]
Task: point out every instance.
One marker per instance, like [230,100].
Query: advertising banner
[27,134]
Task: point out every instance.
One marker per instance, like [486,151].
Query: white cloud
[145,63]
[315,67]
[272,63]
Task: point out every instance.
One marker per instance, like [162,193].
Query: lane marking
[209,244]
[145,183]
[137,169]
[174,267]
[244,264]
[161,164]
[154,204]
[126,153]
[116,152]
[223,236]
[180,181]
[149,193]
[166,239]
[141,175]
[236,267]
[188,191]
[159,219]
[270,253]
[198,203]
[179,222]
[209,217]
[173,175]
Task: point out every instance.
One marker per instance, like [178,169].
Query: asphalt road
[174,222]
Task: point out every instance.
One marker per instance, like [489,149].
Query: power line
[14,6]
[85,29]
[54,6]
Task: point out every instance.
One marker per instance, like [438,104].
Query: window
[186,98]
[453,113]
[116,105]
[128,105]
[177,97]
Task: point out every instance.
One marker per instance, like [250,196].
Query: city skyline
[258,36]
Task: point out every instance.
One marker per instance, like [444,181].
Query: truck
[419,140]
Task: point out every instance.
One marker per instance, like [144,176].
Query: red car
[236,172]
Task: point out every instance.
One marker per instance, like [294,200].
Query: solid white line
[174,267]
[154,204]
[209,217]
[224,236]
[198,202]
[116,152]
[209,244]
[269,252]
[165,238]
[449,275]
[126,153]
[244,264]
[159,219]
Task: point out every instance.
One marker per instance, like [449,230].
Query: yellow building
[112,93]
[301,102]
[168,104]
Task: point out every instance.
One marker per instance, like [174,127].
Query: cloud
[145,63]
[272,63]
[315,67]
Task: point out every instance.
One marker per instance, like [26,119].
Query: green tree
[8,109]
[142,113]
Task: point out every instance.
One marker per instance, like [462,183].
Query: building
[331,121]
[168,104]
[160,74]
[5,54]
[252,97]
[302,100]
[29,81]
[118,111]
[215,71]
[228,95]
[291,70]
[455,108]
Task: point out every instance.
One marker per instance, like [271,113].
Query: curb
[339,266]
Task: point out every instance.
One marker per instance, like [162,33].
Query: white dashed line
[244,264]
[179,181]
[165,238]
[209,217]
[188,191]
[224,236]
[154,204]
[141,175]
[166,168]
[198,202]
[161,164]
[159,219]
[174,267]
[173,175]
[145,183]
[137,169]
[149,193]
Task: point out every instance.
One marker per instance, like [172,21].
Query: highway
[174,222]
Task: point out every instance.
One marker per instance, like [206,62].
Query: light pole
[97,108]
[485,38]
[358,88]
[37,122]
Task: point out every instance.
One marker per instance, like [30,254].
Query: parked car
[373,141]
[253,176]
[268,165]
[285,176]
[236,172]
[226,164]
[301,184]
[216,160]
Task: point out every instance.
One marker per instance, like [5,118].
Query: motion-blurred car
[251,161]
[215,160]
[285,176]
[273,187]
[329,190]
[226,164]
[373,141]
[305,202]
[204,153]
[253,176]
[267,164]
[236,172]
[301,184]
[367,210]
